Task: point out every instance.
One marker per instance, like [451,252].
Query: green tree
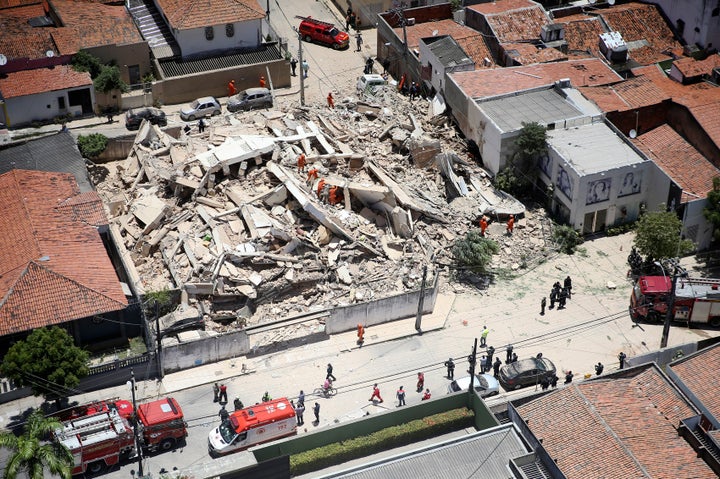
[474,251]
[82,61]
[712,211]
[518,176]
[92,145]
[657,236]
[30,455]
[109,80]
[48,362]
[567,238]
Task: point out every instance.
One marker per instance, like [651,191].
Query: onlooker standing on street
[224,415]
[450,365]
[216,392]
[305,67]
[496,367]
[358,40]
[568,285]
[330,373]
[545,383]
[621,358]
[599,368]
[299,411]
[420,382]
[301,397]
[488,362]
[376,394]
[483,336]
[293,66]
[553,381]
[568,377]
[543,303]
[400,396]
[508,353]
[223,394]
[316,411]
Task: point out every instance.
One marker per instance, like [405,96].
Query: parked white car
[485,384]
[200,108]
[369,81]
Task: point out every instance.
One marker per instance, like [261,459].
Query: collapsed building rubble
[228,218]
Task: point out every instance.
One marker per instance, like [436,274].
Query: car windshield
[482,382]
[227,432]
[454,386]
[334,32]
[194,105]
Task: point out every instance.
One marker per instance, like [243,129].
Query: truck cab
[313,30]
[162,424]
[253,425]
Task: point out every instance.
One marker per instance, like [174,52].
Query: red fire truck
[697,300]
[104,436]
[253,425]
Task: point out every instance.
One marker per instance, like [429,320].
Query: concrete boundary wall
[370,313]
[210,349]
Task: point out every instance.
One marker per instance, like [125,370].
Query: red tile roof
[582,34]
[679,160]
[638,22]
[690,67]
[188,14]
[527,53]
[621,427]
[484,83]
[700,374]
[627,95]
[41,80]
[86,24]
[54,265]
[470,40]
[514,20]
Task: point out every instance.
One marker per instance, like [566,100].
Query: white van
[369,81]
[253,425]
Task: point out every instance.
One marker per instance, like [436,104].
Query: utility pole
[472,359]
[302,71]
[159,340]
[138,449]
[421,301]
[670,306]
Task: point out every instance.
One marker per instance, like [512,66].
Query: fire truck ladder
[701,281]
[100,422]
[315,20]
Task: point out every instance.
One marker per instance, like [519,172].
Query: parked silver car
[250,99]
[485,384]
[200,108]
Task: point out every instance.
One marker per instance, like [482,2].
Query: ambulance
[253,425]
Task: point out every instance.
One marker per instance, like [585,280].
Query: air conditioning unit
[410,21]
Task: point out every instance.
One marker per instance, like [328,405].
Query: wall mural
[563,182]
[545,164]
[631,184]
[598,191]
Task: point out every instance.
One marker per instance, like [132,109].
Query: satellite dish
[592,1]
[633,133]
[611,2]
[434,33]
[49,53]
[3,60]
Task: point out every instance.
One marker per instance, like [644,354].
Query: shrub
[109,79]
[387,438]
[92,145]
[567,239]
[82,61]
[474,251]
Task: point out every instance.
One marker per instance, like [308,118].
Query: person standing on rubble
[510,224]
[320,187]
[325,195]
[201,125]
[483,225]
[334,195]
[330,101]
[301,162]
[312,175]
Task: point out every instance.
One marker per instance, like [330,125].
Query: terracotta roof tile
[478,51]
[188,14]
[31,82]
[55,266]
[631,93]
[638,22]
[501,6]
[19,39]
[690,67]
[513,20]
[633,417]
[708,116]
[582,34]
[702,380]
[85,207]
[679,160]
[484,83]
[527,53]
[697,94]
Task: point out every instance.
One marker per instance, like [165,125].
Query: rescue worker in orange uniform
[361,334]
[262,82]
[231,88]
[330,100]
[312,175]
[334,195]
[320,186]
[483,225]
[301,162]
[510,224]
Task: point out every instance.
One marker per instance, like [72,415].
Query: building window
[209,33]
[680,25]
[61,102]
[229,30]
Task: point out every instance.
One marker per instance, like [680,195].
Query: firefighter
[330,100]
[320,186]
[312,175]
[238,404]
[262,81]
[360,334]
[301,162]
[231,88]
[334,196]
[510,224]
[483,225]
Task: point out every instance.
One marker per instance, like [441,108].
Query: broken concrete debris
[228,218]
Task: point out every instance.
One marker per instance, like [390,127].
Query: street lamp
[670,304]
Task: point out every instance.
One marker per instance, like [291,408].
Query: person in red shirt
[262,82]
[510,224]
[483,225]
[426,395]
[312,174]
[376,394]
[330,100]
[301,162]
[421,382]
[231,88]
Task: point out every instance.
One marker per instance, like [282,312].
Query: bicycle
[321,391]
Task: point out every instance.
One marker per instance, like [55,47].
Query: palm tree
[31,454]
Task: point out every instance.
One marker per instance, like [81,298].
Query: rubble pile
[229,218]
